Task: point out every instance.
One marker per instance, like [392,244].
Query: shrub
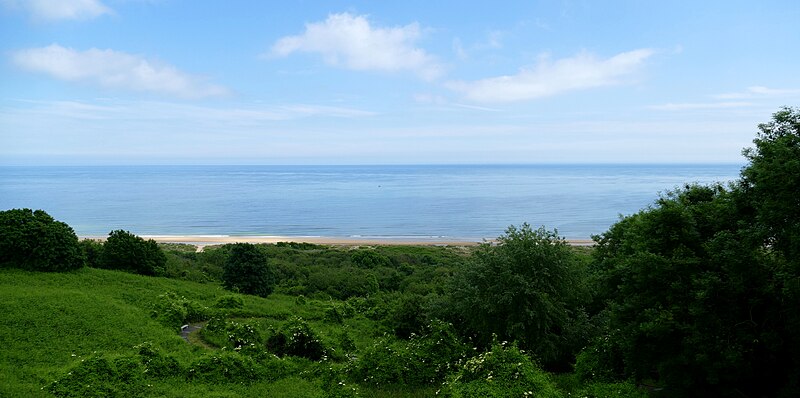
[406,315]
[156,364]
[232,334]
[335,385]
[229,302]
[92,251]
[34,241]
[225,367]
[612,390]
[246,271]
[503,371]
[422,360]
[174,310]
[602,360]
[296,338]
[342,283]
[101,377]
[128,252]
[369,259]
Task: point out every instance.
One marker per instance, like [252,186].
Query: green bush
[230,302]
[504,371]
[342,283]
[101,377]
[365,258]
[612,390]
[226,367]
[157,364]
[34,241]
[422,360]
[92,251]
[406,315]
[602,360]
[128,252]
[174,311]
[297,338]
[232,334]
[246,270]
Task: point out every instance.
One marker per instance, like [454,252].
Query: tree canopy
[701,291]
[523,289]
[246,270]
[128,252]
[35,241]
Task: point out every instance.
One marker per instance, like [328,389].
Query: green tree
[772,185]
[523,289]
[694,299]
[246,270]
[35,241]
[772,181]
[128,252]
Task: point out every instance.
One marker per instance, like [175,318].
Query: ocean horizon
[415,202]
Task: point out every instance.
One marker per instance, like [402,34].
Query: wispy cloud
[352,42]
[549,78]
[246,114]
[115,69]
[701,106]
[441,103]
[53,10]
[759,92]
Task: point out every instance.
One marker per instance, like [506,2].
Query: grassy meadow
[54,322]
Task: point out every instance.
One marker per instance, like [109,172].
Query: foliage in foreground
[503,371]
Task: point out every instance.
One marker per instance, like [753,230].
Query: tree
[772,185]
[33,240]
[695,300]
[772,181]
[523,289]
[128,252]
[246,270]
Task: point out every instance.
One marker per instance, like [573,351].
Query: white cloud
[352,42]
[549,78]
[114,69]
[701,106]
[61,9]
[759,92]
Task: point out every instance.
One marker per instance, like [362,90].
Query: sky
[102,82]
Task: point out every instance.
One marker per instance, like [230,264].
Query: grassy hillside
[53,321]
[95,332]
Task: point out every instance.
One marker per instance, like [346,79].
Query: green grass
[53,321]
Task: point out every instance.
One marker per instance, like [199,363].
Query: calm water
[342,201]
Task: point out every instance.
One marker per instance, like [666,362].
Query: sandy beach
[208,240]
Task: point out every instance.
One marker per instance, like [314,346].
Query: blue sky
[331,82]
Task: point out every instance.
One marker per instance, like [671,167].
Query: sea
[418,202]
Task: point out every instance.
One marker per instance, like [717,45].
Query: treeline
[697,295]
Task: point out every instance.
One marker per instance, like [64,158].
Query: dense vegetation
[696,295]
[34,241]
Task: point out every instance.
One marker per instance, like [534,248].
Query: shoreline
[209,240]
